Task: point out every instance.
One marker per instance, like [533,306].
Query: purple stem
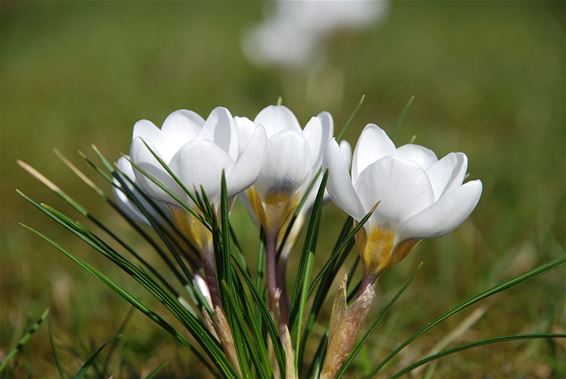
[282,284]
[271,270]
[368,279]
[211,280]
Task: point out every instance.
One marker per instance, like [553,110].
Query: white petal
[125,167]
[451,210]
[421,155]
[447,173]
[346,151]
[249,164]
[123,201]
[143,158]
[318,132]
[221,129]
[401,187]
[287,165]
[246,128]
[311,197]
[339,184]
[148,131]
[276,118]
[182,126]
[372,145]
[200,163]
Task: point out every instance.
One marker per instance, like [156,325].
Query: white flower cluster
[272,160]
[293,30]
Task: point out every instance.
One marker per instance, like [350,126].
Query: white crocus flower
[294,156]
[418,195]
[197,152]
[293,31]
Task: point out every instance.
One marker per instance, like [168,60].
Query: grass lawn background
[488,79]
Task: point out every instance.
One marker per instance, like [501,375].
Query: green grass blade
[272,329]
[329,272]
[23,340]
[171,173]
[296,213]
[85,213]
[155,371]
[214,351]
[339,254]
[351,118]
[90,361]
[318,359]
[384,312]
[301,311]
[402,115]
[183,204]
[114,344]
[501,287]
[242,338]
[225,254]
[309,248]
[60,370]
[472,345]
[191,323]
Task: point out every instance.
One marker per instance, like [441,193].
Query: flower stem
[282,284]
[270,269]
[272,277]
[368,279]
[210,277]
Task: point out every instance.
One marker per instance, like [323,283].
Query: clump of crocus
[181,179]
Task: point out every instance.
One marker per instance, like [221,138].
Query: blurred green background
[488,79]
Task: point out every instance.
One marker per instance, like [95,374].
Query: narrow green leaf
[351,118]
[494,290]
[309,247]
[272,329]
[242,338]
[114,344]
[84,212]
[339,253]
[23,340]
[318,359]
[183,204]
[155,371]
[296,213]
[472,345]
[212,347]
[90,361]
[301,311]
[402,115]
[60,370]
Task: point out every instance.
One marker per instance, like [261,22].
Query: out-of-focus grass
[488,78]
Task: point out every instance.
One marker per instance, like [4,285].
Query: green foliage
[23,340]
